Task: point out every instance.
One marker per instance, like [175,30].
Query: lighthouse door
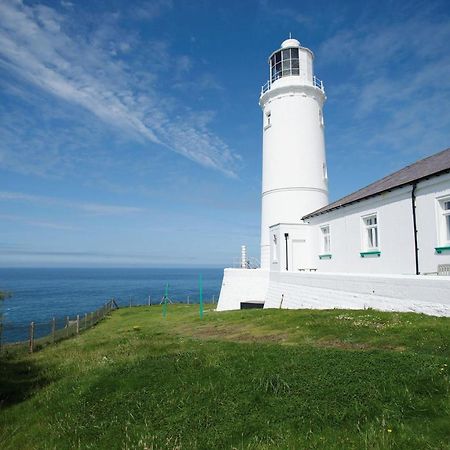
[299,257]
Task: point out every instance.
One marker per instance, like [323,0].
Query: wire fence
[36,335]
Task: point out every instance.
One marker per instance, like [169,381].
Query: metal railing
[315,83]
[251,263]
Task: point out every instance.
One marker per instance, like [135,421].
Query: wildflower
[389,430]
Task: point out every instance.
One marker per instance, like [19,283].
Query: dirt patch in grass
[233,333]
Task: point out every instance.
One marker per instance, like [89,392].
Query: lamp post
[286,235]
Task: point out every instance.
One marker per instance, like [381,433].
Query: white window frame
[368,232]
[274,248]
[325,240]
[443,220]
[267,119]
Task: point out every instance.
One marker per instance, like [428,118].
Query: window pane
[447,221]
[286,65]
[286,54]
[277,57]
[447,205]
[295,71]
[295,63]
[294,52]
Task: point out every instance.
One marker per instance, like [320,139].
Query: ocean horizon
[39,294]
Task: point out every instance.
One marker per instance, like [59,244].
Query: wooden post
[78,324]
[31,346]
[53,330]
[67,326]
[92,319]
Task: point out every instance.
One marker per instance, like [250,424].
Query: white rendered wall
[242,285]
[428,222]
[395,233]
[294,167]
[422,294]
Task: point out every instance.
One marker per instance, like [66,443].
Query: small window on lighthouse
[268,116]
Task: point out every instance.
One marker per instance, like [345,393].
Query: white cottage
[386,246]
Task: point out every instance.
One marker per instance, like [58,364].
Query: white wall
[423,294]
[395,230]
[242,285]
[427,213]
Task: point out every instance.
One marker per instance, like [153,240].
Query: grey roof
[428,167]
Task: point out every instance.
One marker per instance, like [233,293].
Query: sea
[39,294]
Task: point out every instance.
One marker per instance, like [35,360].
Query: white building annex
[386,246]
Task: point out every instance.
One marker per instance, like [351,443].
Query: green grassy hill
[250,379]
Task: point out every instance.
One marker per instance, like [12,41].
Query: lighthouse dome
[290,43]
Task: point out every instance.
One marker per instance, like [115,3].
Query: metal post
[78,324]
[53,330]
[31,344]
[201,295]
[67,326]
[165,301]
[188,300]
[85,321]
[286,235]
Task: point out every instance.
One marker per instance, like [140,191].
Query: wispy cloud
[37,223]
[38,44]
[91,208]
[395,87]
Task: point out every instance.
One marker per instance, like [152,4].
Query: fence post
[85,321]
[1,333]
[188,300]
[78,324]
[149,301]
[31,346]
[130,302]
[67,326]
[53,330]
[214,298]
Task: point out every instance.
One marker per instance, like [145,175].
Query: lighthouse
[294,178]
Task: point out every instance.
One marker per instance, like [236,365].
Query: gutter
[413,205]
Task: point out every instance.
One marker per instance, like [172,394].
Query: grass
[254,379]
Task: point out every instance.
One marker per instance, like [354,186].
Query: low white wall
[242,285]
[423,294]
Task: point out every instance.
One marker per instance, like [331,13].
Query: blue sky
[130,131]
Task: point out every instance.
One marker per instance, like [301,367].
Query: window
[285,63]
[274,249]
[326,243]
[444,226]
[267,123]
[370,233]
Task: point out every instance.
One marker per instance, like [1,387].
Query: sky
[130,131]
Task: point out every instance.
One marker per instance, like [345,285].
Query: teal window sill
[442,249]
[326,256]
[372,253]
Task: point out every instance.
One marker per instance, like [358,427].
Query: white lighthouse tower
[294,179]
